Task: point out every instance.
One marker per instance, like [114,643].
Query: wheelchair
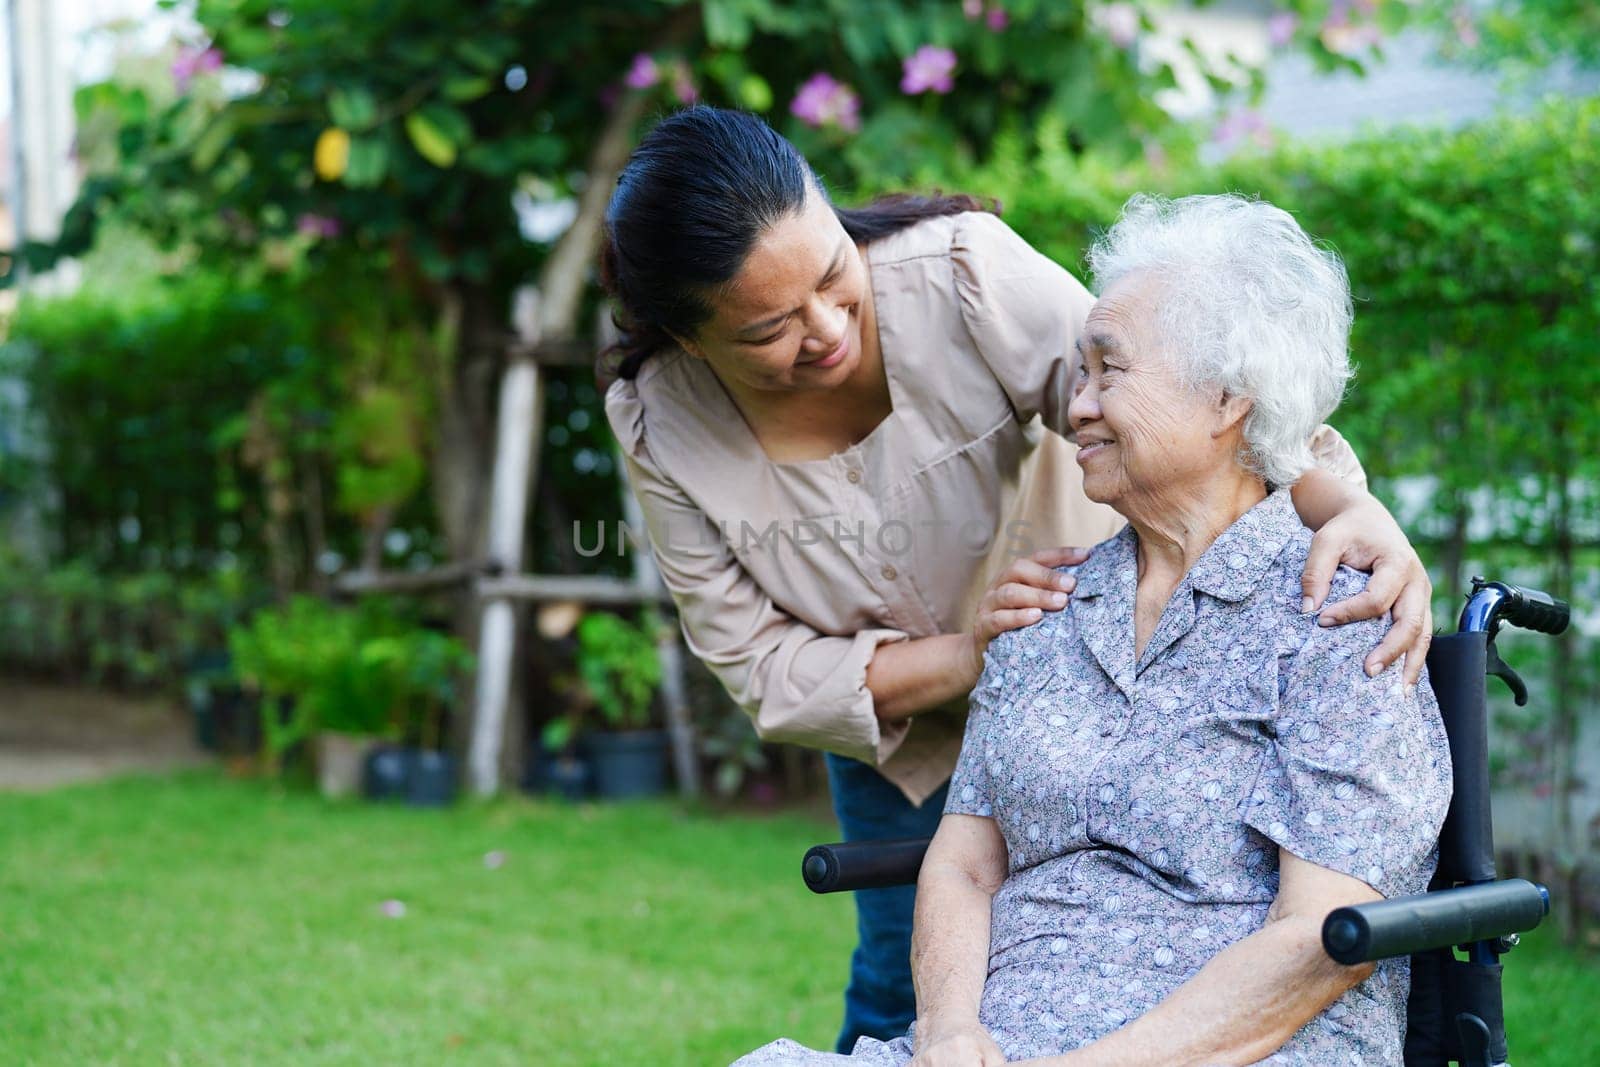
[1455,1012]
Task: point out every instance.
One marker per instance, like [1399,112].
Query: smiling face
[790,320]
[1143,435]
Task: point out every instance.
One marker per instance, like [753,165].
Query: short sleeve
[1025,313]
[1356,778]
[1334,455]
[798,684]
[971,792]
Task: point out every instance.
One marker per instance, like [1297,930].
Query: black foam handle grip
[863,864]
[1406,925]
[1534,609]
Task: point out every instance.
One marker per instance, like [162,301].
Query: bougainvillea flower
[643,74]
[929,69]
[825,101]
[193,61]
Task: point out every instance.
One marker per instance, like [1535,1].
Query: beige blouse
[788,576]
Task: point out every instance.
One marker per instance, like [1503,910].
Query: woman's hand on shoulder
[963,1045]
[1367,538]
[1019,596]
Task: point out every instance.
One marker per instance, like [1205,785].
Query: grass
[195,919]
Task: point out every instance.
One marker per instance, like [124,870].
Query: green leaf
[480,55]
[755,93]
[451,122]
[353,108]
[727,25]
[463,90]
[209,148]
[429,140]
[369,163]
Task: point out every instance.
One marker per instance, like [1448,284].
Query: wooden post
[548,312]
[516,448]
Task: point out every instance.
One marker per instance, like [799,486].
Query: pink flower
[194,61]
[929,68]
[1342,35]
[825,101]
[1155,155]
[1281,27]
[1466,29]
[494,860]
[313,225]
[1121,23]
[973,9]
[997,19]
[683,84]
[1241,124]
[643,74]
[392,909]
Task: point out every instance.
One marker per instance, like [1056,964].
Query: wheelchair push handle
[1408,925]
[863,864]
[1492,603]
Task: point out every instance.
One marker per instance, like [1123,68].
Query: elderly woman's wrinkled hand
[1019,597]
[964,1046]
[1367,538]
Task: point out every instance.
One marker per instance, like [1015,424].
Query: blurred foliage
[369,670]
[619,667]
[615,672]
[139,632]
[189,423]
[131,390]
[1520,33]
[405,127]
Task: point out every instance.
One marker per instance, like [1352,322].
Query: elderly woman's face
[1142,434]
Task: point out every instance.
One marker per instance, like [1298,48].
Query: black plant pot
[560,773]
[571,779]
[432,782]
[418,776]
[628,765]
[387,769]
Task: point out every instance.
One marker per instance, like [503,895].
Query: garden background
[252,404]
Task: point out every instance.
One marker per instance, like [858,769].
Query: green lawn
[198,920]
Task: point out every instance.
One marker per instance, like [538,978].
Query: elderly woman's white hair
[1247,303]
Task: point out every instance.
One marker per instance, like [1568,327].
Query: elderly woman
[1165,788]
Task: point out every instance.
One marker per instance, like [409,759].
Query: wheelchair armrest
[1406,925]
[863,864]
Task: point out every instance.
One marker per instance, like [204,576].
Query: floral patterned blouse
[1144,804]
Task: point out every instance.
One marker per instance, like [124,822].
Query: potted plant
[366,687]
[423,667]
[559,766]
[282,657]
[354,708]
[619,669]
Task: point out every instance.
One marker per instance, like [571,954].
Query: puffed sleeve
[1334,455]
[1024,312]
[799,685]
[1356,777]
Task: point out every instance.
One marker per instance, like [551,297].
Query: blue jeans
[879,1001]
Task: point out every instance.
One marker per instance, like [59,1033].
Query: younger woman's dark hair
[688,207]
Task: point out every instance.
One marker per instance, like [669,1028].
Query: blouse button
[853,476]
[890,574]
